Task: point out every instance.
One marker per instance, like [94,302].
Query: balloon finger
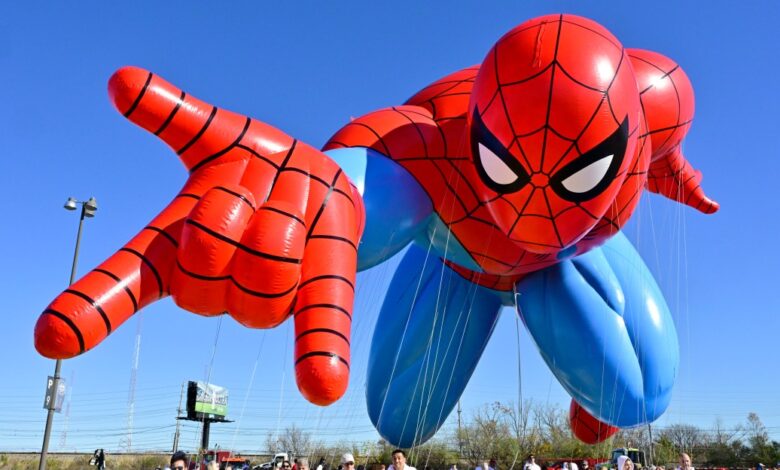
[210,237]
[267,267]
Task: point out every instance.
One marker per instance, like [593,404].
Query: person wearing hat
[348,461]
[625,463]
[399,461]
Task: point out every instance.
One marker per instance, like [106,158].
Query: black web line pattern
[554,66]
[427,98]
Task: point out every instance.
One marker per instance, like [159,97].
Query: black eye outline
[481,135]
[614,145]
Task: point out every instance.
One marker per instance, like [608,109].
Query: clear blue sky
[306,68]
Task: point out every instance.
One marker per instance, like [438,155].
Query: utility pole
[178,421]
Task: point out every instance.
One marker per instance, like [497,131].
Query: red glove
[265,227]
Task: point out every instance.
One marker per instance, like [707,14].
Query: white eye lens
[496,169]
[587,178]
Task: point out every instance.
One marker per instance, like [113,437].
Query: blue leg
[603,327]
[431,332]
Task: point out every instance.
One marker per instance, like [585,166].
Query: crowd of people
[181,461]
[623,463]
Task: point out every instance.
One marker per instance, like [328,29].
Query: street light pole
[88,209]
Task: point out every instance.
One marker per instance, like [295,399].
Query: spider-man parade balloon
[507,182]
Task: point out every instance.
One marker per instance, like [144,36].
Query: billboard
[205,399]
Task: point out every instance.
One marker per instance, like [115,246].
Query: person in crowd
[625,463]
[573,466]
[303,463]
[179,461]
[347,462]
[321,465]
[399,461]
[99,457]
[530,463]
[486,466]
[685,462]
[286,465]
[584,465]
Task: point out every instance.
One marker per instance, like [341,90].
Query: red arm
[264,226]
[668,104]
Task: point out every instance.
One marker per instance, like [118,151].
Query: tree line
[507,433]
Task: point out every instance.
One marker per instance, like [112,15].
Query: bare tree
[684,437]
[724,436]
[519,423]
[634,437]
[291,439]
[486,436]
[722,445]
[553,425]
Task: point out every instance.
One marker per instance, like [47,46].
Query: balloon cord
[248,391]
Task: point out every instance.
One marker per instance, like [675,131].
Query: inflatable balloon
[587,428]
[507,182]
[265,227]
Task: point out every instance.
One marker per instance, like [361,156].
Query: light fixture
[70,204]
[88,208]
[91,205]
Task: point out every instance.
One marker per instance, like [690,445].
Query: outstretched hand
[265,227]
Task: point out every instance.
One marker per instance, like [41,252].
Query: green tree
[762,450]
[665,451]
[486,437]
[720,450]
